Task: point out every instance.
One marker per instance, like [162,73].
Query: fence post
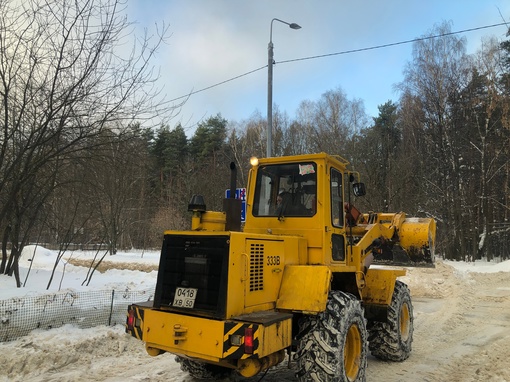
[111,309]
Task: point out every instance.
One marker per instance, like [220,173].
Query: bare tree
[114,179]
[64,79]
[280,126]
[331,121]
[484,110]
[435,77]
[240,151]
[295,139]
[247,139]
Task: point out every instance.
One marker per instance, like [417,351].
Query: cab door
[265,260]
[336,234]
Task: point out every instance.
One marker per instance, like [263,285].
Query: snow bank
[36,264]
[480,266]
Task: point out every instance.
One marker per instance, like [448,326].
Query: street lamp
[270,63]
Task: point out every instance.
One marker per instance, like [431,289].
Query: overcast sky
[215,40]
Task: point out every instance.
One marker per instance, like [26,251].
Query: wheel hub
[404,322]
[352,352]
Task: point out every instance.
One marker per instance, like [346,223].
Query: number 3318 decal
[273,260]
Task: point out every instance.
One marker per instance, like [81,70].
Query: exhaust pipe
[232,206]
[233,180]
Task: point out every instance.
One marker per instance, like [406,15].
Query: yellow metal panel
[379,285]
[210,339]
[275,337]
[237,275]
[265,262]
[304,288]
[257,263]
[198,337]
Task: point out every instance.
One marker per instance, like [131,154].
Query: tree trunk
[5,239]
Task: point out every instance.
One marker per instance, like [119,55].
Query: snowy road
[462,333]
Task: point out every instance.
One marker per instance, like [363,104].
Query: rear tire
[333,345]
[203,371]
[392,340]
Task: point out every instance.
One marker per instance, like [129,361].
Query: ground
[462,333]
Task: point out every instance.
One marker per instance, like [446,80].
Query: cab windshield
[285,190]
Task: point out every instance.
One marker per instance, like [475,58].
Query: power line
[389,45]
[337,54]
[219,83]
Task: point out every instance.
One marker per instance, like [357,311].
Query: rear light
[248,340]
[131,319]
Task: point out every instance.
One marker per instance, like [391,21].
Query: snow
[461,320]
[480,266]
[123,272]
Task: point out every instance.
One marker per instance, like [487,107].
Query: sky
[212,41]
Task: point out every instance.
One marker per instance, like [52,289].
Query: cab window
[336,199]
[288,190]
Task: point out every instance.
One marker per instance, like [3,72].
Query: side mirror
[359,189]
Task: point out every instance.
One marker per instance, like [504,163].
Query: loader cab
[304,195]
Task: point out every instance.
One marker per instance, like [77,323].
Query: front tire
[333,345]
[392,340]
[203,371]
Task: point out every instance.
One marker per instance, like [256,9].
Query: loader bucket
[414,246]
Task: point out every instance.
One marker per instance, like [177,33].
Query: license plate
[185,297]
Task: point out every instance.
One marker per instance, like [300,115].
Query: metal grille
[193,261]
[256,267]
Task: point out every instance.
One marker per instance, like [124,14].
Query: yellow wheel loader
[308,276]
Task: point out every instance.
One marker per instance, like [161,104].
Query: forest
[80,169]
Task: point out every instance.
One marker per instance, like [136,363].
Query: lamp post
[270,62]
